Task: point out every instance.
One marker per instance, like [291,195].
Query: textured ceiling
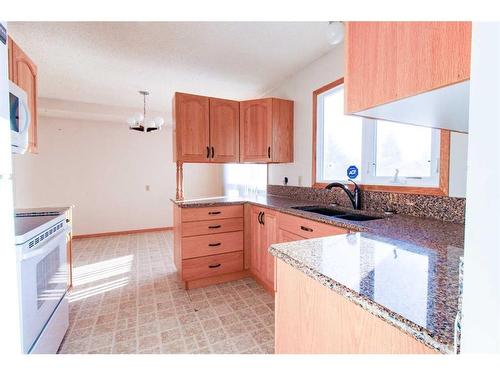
[108,62]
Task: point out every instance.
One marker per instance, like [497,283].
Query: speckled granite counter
[411,287]
[403,269]
[435,234]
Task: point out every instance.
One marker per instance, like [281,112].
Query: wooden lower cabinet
[286,236]
[306,228]
[264,232]
[212,265]
[313,319]
[209,244]
[269,227]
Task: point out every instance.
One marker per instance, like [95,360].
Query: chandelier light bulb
[159,121]
[139,117]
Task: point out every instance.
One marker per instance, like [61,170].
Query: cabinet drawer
[212,265]
[308,228]
[211,244]
[211,213]
[196,228]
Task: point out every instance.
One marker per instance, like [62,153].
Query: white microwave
[20,118]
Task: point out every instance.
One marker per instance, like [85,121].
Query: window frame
[443,158]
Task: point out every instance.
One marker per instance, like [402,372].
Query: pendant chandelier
[141,123]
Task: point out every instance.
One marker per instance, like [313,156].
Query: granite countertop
[401,268]
[435,234]
[411,287]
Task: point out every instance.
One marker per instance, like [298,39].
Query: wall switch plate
[147,188]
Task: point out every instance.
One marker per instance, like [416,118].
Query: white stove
[41,249]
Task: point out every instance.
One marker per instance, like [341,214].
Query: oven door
[43,283]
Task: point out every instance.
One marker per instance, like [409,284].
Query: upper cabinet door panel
[387,61]
[24,74]
[192,128]
[224,131]
[282,144]
[256,130]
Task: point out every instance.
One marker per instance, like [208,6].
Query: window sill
[437,191]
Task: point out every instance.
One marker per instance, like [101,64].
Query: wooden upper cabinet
[191,128]
[387,61]
[256,130]
[224,131]
[282,144]
[266,131]
[212,130]
[23,72]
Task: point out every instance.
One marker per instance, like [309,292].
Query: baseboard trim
[119,233]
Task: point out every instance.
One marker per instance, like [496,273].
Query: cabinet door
[271,237]
[256,130]
[191,128]
[256,241]
[386,61]
[282,144]
[24,74]
[285,236]
[224,131]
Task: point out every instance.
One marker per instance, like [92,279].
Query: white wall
[299,88]
[103,168]
[481,300]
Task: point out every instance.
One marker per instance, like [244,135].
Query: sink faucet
[354,196]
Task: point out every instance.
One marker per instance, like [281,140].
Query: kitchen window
[242,180]
[390,156]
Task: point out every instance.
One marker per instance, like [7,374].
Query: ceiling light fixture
[335,32]
[139,121]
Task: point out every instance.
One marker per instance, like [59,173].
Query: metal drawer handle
[214,244]
[214,265]
[214,212]
[306,228]
[214,226]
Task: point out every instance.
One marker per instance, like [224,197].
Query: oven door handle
[44,249]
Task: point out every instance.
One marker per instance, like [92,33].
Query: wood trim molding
[316,92]
[134,231]
[179,180]
[444,159]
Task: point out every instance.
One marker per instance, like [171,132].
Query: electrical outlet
[147,188]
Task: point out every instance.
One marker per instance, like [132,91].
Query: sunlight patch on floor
[102,270]
[98,289]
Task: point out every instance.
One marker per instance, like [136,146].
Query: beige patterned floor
[126,300]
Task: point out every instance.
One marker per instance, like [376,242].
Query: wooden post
[179,194]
